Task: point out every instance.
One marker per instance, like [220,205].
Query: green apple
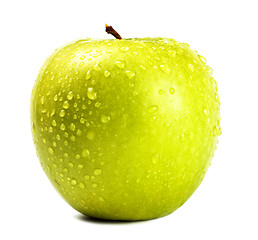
[125,129]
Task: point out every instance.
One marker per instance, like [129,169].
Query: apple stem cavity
[111,30]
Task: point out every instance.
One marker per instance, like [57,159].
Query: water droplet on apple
[202,59]
[81,185]
[70,164]
[65,105]
[87,177]
[44,140]
[94,185]
[62,127]
[171,91]
[90,135]
[72,126]
[80,166]
[77,156]
[164,68]
[191,67]
[33,128]
[82,57]
[124,49]
[97,104]
[130,74]
[120,64]
[205,111]
[97,171]
[51,150]
[79,132]
[88,75]
[73,182]
[66,155]
[97,67]
[62,113]
[209,70]
[42,100]
[219,131]
[70,96]
[55,98]
[106,74]
[104,118]
[152,109]
[85,153]
[143,67]
[54,122]
[92,95]
[161,92]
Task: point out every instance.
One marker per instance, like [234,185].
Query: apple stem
[111,30]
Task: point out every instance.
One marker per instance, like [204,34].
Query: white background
[224,31]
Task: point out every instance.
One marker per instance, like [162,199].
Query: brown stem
[112,31]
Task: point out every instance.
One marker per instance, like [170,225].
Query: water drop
[171,91]
[205,111]
[78,156]
[92,95]
[202,59]
[152,109]
[161,92]
[130,74]
[80,166]
[143,67]
[191,67]
[96,67]
[106,74]
[97,171]
[97,104]
[70,164]
[104,118]
[50,150]
[66,155]
[120,64]
[72,126]
[124,49]
[62,127]
[82,57]
[79,132]
[94,185]
[88,75]
[70,96]
[85,153]
[81,185]
[215,131]
[164,69]
[73,182]
[87,177]
[42,100]
[65,105]
[82,120]
[101,199]
[62,113]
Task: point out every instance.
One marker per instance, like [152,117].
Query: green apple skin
[125,129]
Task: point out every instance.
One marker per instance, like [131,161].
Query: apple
[125,129]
